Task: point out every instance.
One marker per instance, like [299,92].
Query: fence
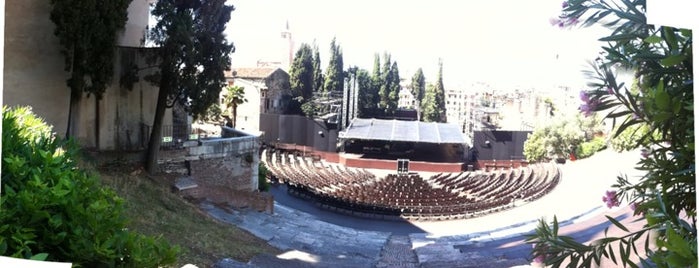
[172,137]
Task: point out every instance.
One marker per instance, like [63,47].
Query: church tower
[286,35]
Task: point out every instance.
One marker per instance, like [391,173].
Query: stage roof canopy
[406,131]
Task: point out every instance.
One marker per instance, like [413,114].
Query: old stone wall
[224,169]
[225,162]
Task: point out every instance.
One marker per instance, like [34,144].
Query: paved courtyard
[313,237]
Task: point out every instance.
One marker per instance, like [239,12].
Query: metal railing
[172,137]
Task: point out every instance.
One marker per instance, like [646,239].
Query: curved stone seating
[439,197]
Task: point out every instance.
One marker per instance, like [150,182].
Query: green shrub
[55,211]
[262,183]
[588,148]
[535,146]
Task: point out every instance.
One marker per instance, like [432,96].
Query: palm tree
[234,96]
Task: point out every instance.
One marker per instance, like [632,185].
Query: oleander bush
[660,111]
[53,210]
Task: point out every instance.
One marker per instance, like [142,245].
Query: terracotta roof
[251,72]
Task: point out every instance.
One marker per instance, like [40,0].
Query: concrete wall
[33,71]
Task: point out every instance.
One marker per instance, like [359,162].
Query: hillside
[155,210]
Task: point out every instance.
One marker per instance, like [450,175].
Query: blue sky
[502,42]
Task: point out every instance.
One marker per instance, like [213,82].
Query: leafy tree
[535,147]
[87,31]
[192,55]
[235,95]
[439,95]
[54,210]
[556,139]
[417,86]
[334,75]
[317,72]
[661,57]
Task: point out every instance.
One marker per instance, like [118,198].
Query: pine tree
[301,74]
[365,86]
[317,72]
[334,75]
[439,95]
[192,55]
[429,109]
[87,31]
[376,80]
[385,86]
[417,87]
[394,89]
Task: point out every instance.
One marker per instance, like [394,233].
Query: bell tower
[286,35]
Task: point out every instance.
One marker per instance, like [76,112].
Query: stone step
[398,252]
[300,260]
[185,183]
[477,263]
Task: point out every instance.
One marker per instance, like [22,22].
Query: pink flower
[572,21]
[564,4]
[584,97]
[588,108]
[634,208]
[610,90]
[539,259]
[554,21]
[610,199]
[645,153]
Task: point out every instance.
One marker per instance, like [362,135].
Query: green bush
[262,183]
[55,211]
[588,148]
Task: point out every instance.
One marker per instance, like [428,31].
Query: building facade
[267,90]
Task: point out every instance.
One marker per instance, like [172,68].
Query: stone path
[307,242]
[398,252]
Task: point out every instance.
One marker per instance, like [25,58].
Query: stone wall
[224,169]
[225,162]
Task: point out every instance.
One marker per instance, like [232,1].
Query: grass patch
[154,210]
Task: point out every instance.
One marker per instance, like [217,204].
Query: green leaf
[618,37]
[653,39]
[40,257]
[672,60]
[618,224]
[677,244]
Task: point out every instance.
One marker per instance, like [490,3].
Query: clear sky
[502,42]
